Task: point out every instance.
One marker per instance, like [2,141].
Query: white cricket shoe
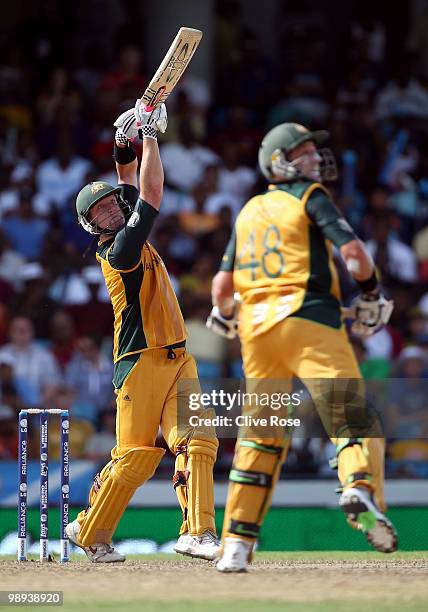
[235,557]
[205,546]
[97,553]
[362,513]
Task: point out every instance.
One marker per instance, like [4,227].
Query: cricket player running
[150,357]
[279,260]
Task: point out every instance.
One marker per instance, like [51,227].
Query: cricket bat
[173,65]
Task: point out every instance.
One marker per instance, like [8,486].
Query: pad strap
[348,442]
[180,478]
[359,476]
[256,479]
[249,530]
[264,448]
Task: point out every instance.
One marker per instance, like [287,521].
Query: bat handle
[148,108]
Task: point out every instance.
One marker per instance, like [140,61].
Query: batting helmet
[282,139]
[88,197]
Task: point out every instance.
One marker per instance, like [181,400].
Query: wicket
[44,483]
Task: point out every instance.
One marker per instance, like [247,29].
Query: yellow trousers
[148,400]
[322,357]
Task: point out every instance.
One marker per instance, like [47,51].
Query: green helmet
[282,139]
[87,198]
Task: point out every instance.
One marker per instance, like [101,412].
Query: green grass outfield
[292,581]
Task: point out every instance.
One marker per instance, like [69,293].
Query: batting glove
[140,122]
[221,325]
[149,121]
[370,311]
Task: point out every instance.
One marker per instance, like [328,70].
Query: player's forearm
[359,263]
[127,173]
[222,292]
[151,174]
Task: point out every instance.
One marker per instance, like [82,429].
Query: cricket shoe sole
[363,514]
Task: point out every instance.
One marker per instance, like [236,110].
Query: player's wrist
[370,285]
[148,131]
[123,154]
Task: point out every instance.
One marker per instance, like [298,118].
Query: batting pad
[253,477]
[201,455]
[353,463]
[374,449]
[112,491]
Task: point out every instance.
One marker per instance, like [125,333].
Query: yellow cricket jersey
[281,260]
[146,310]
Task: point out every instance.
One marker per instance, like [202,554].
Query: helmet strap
[281,168]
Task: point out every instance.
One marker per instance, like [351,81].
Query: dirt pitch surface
[314,582]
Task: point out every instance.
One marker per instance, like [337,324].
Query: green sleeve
[321,210]
[130,194]
[228,261]
[125,252]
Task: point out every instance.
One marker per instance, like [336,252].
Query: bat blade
[173,65]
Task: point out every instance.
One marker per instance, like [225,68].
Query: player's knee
[136,466]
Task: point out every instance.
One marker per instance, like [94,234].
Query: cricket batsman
[279,260]
[150,357]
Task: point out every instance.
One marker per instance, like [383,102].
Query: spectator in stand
[88,75]
[127,78]
[404,96]
[418,325]
[210,199]
[58,92]
[33,300]
[81,428]
[25,231]
[61,176]
[395,260]
[198,281]
[184,161]
[6,292]
[70,288]
[408,395]
[8,433]
[176,247]
[99,445]
[184,107]
[37,374]
[376,367]
[420,247]
[233,176]
[176,201]
[8,391]
[22,186]
[237,124]
[62,338]
[90,374]
[95,315]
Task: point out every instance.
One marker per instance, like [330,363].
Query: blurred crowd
[61,88]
